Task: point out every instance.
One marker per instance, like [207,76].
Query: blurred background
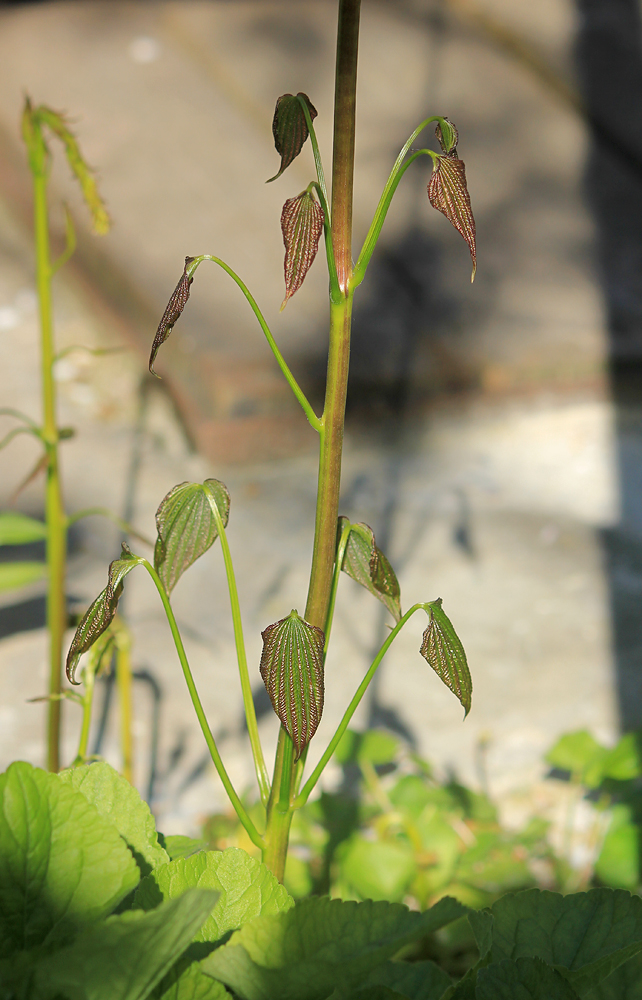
[494,435]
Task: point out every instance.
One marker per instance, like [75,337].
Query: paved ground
[481,445]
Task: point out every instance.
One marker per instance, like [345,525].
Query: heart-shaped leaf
[100,614]
[289,128]
[292,671]
[186,527]
[174,309]
[448,191]
[442,649]
[301,225]
[366,564]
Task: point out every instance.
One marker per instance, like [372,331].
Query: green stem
[89,679]
[239,808]
[124,686]
[303,796]
[105,512]
[338,563]
[262,775]
[54,513]
[332,421]
[292,382]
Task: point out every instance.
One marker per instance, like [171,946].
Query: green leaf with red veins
[448,193]
[292,671]
[186,527]
[301,225]
[367,564]
[174,309]
[100,614]
[290,129]
[443,651]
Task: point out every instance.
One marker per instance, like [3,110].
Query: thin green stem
[262,775]
[292,382]
[124,687]
[239,808]
[338,563]
[335,291]
[89,679]
[15,432]
[54,513]
[279,812]
[392,183]
[105,512]
[303,796]
[8,411]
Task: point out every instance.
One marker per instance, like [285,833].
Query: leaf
[618,864]
[374,746]
[581,754]
[526,979]
[301,224]
[121,805]
[448,137]
[83,173]
[63,865]
[100,614]
[172,312]
[448,193]
[246,889]
[378,869]
[18,529]
[189,984]
[125,957]
[623,984]
[481,922]
[443,651]
[20,574]
[320,944]
[623,763]
[366,564]
[186,527]
[179,846]
[292,671]
[415,980]
[289,128]
[587,933]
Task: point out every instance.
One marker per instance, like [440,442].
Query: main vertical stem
[54,513]
[331,436]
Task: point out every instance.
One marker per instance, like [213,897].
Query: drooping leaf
[63,865]
[525,979]
[172,312]
[246,889]
[121,805]
[415,980]
[289,128]
[18,529]
[20,574]
[186,527]
[367,564]
[586,935]
[125,957]
[448,191]
[292,671]
[319,945]
[301,225]
[83,173]
[443,651]
[100,614]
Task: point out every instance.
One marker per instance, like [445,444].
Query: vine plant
[193,515]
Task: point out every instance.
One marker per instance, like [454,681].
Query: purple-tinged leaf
[100,614]
[443,651]
[448,193]
[301,225]
[292,671]
[174,309]
[186,527]
[367,564]
[289,128]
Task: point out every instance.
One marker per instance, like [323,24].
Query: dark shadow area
[609,62]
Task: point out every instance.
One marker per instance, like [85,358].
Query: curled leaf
[292,671]
[289,128]
[59,125]
[448,192]
[448,136]
[367,564]
[100,614]
[301,225]
[443,651]
[174,309]
[186,527]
